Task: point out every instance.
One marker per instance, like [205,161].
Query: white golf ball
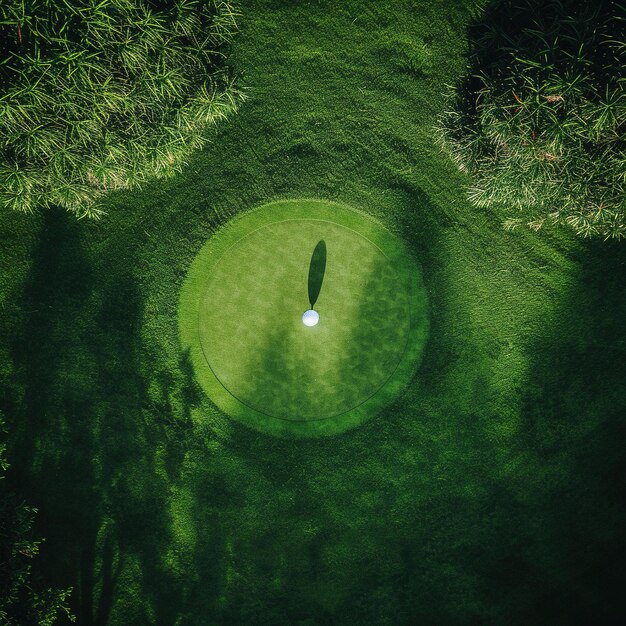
[310,317]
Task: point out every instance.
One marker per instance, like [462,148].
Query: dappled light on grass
[491,491]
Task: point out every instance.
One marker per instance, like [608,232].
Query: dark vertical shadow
[51,435]
[560,553]
[84,438]
[575,421]
[317,268]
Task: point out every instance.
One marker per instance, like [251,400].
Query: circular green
[241,317]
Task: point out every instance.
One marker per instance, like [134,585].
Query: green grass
[540,119]
[102,96]
[491,492]
[241,311]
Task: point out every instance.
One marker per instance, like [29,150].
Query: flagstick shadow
[317,269]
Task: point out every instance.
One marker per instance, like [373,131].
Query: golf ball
[310,317]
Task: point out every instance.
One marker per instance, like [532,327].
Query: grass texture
[241,318]
[540,120]
[103,95]
[491,492]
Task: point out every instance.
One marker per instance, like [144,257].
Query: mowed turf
[490,492]
[241,318]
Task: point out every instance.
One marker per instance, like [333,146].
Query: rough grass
[104,96]
[492,493]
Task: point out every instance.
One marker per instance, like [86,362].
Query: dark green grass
[492,492]
[241,318]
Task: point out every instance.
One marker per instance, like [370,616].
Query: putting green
[241,317]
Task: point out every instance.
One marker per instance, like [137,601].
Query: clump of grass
[409,54]
[540,123]
[98,95]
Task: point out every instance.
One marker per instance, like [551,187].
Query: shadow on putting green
[302,375]
[317,269]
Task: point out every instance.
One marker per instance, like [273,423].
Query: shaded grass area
[538,120]
[492,492]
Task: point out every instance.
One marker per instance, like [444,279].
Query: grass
[492,492]
[540,119]
[105,95]
[241,310]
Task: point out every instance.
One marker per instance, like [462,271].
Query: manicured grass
[241,318]
[490,492]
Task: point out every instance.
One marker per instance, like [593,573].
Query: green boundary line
[195,285]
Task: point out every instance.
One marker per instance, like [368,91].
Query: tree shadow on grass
[576,420]
[553,502]
[85,447]
[571,460]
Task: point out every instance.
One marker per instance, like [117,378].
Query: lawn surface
[492,492]
[241,318]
